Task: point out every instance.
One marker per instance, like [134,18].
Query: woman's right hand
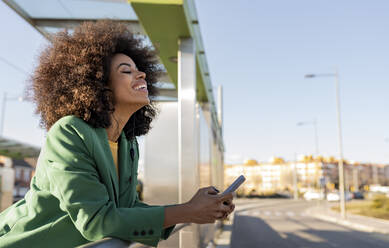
[206,206]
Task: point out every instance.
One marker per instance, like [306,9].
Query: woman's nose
[141,74]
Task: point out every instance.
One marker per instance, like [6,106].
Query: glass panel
[163,99]
[165,85]
[77,9]
[52,30]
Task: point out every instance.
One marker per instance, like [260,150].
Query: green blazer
[75,196]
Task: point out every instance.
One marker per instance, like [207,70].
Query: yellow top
[114,150]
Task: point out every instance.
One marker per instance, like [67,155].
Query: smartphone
[235,185]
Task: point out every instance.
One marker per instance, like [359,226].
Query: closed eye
[126,72]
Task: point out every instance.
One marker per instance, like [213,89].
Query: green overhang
[165,22]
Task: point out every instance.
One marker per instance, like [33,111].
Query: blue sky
[260,51]
[19,45]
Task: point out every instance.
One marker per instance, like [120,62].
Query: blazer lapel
[111,166]
[124,168]
[127,158]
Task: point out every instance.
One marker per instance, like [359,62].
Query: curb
[347,223]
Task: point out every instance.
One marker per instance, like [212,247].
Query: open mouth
[140,87]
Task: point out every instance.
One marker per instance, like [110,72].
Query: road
[283,223]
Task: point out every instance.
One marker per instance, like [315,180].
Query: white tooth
[140,87]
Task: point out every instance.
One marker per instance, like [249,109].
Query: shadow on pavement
[252,232]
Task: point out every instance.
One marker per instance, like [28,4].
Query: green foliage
[377,208]
[380,202]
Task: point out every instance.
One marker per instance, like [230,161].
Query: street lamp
[314,123]
[295,188]
[5,99]
[340,163]
[386,140]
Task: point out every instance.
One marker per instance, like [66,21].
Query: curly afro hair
[73,72]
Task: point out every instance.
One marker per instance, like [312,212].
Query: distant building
[260,177]
[23,173]
[386,172]
[311,172]
[15,177]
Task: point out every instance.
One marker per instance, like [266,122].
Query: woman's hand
[207,207]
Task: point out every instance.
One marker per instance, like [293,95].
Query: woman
[92,89]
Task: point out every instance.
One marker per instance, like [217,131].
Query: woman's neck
[118,121]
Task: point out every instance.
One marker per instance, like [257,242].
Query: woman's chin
[138,102]
[141,102]
[146,101]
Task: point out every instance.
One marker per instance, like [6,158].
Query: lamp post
[295,188]
[314,123]
[340,143]
[2,117]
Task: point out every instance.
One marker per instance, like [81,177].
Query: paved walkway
[320,211]
[358,222]
[223,236]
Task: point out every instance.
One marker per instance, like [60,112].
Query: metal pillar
[220,106]
[187,133]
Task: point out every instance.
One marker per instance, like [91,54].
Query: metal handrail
[107,242]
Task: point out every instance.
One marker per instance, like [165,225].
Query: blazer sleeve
[166,231]
[75,181]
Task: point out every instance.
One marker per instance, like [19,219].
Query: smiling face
[127,83]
